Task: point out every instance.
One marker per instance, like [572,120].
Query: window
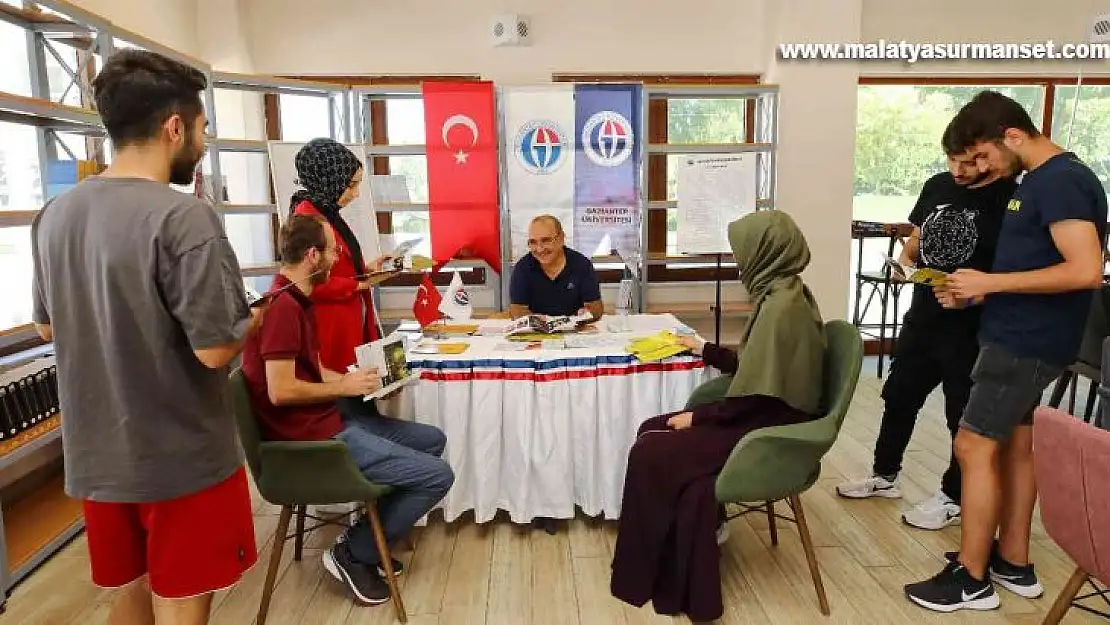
[1087,136]
[702,121]
[15,77]
[15,266]
[304,117]
[405,121]
[251,236]
[20,183]
[247,182]
[898,146]
[58,74]
[898,132]
[680,120]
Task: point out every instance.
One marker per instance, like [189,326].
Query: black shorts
[1006,388]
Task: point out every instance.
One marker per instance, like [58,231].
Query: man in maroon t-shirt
[296,398]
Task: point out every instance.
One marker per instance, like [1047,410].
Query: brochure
[922,275]
[388,356]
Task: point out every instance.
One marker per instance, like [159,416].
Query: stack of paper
[655,347]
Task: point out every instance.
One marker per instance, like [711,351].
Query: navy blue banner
[607,169]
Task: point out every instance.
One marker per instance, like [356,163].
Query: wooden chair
[295,475]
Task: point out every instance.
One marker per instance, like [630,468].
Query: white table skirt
[536,433]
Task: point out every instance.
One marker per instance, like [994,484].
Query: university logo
[607,138]
[541,146]
[461,298]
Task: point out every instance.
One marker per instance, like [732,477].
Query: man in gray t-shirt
[139,289]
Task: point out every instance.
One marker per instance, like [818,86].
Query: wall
[817,133]
[239,115]
[170,22]
[986,21]
[386,36]
[818,106]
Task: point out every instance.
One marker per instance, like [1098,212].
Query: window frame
[379,164]
[986,82]
[657,170]
[1049,84]
[24,337]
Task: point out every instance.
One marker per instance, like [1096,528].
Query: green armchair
[295,475]
[779,463]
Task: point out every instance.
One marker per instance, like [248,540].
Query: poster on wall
[359,214]
[572,152]
[713,191]
[539,154]
[607,171]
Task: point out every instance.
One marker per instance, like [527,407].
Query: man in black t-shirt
[956,222]
[1035,299]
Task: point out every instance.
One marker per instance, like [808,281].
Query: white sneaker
[936,512]
[722,533]
[873,486]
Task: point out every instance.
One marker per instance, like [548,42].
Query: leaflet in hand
[402,258]
[922,275]
[388,356]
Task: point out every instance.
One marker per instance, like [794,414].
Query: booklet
[542,324]
[388,356]
[922,275]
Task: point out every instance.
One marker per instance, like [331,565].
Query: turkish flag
[461,145]
[426,306]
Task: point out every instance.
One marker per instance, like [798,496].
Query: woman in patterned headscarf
[331,175]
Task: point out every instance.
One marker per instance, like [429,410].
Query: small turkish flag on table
[426,306]
[461,146]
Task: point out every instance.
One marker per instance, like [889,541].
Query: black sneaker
[953,589]
[398,568]
[366,586]
[1020,580]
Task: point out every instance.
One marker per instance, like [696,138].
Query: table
[538,432]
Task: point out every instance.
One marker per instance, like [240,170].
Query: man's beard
[978,178]
[319,275]
[184,164]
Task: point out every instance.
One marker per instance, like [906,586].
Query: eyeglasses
[543,241]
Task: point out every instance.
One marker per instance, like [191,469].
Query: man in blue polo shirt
[553,279]
[1035,300]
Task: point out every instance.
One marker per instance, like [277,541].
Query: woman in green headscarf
[666,549]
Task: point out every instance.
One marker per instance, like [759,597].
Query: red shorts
[189,546]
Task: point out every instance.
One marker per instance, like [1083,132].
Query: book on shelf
[28,397]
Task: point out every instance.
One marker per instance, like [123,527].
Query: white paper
[713,191]
[359,214]
[389,189]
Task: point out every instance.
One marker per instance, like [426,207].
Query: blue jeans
[401,454]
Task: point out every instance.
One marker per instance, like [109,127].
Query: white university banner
[359,214]
[539,142]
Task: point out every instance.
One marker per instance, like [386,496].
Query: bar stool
[880,283]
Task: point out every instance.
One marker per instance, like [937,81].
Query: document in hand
[923,275]
[402,258]
[388,357]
